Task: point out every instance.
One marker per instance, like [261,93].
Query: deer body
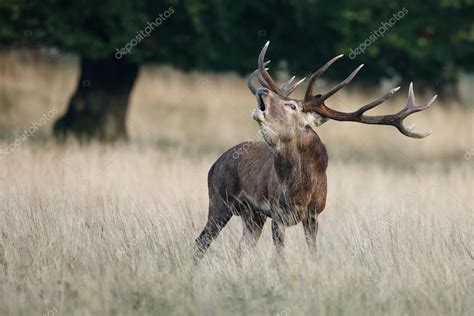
[287,185]
[283,186]
[284,177]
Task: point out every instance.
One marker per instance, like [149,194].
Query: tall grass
[109,229]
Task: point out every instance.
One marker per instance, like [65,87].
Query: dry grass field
[109,229]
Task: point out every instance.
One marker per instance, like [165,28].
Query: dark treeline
[429,42]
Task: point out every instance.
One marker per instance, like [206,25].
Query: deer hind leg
[252,229]
[219,216]
[278,236]
[310,226]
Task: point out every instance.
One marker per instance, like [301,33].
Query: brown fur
[283,178]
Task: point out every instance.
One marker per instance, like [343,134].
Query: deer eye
[291,105]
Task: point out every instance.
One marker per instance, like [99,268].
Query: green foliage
[432,42]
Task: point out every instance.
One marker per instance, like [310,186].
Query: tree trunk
[98,107]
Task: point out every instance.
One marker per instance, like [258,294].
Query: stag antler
[264,78]
[316,104]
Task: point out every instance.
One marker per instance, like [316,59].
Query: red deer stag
[284,177]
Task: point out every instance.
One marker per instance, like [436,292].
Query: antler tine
[411,108]
[395,120]
[250,81]
[373,104]
[261,80]
[285,85]
[256,75]
[315,76]
[265,75]
[293,87]
[411,96]
[340,85]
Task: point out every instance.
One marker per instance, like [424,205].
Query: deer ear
[314,120]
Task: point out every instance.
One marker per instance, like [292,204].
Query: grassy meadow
[94,230]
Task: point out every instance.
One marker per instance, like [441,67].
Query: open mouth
[260,103]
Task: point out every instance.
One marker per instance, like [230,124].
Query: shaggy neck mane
[298,162]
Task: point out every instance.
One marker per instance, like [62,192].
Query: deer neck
[298,164]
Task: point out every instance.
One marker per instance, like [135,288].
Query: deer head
[282,118]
